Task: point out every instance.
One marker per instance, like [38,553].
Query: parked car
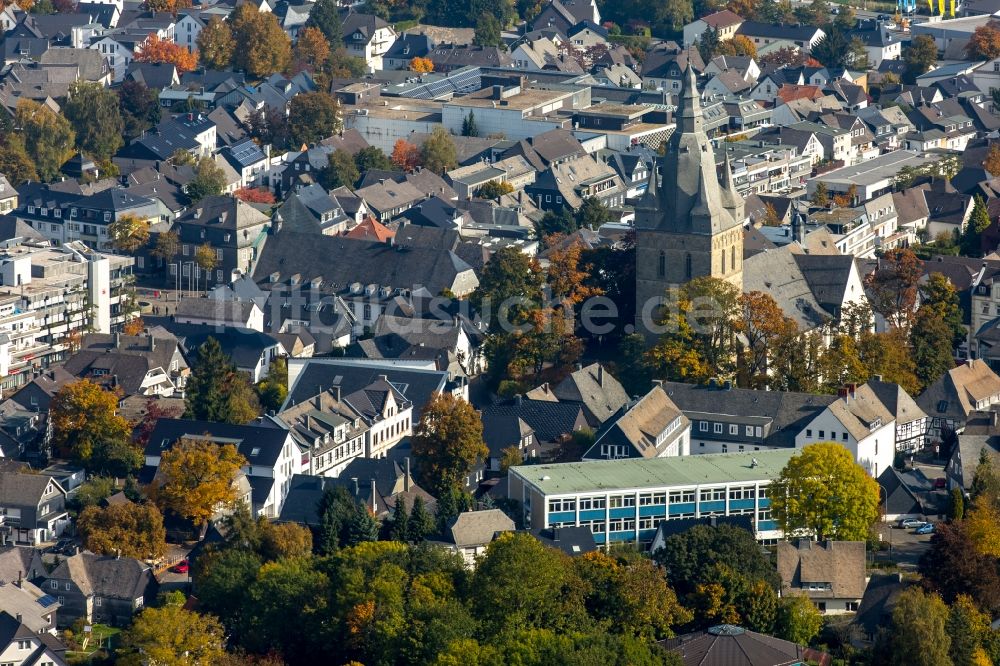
[926,528]
[181,567]
[906,523]
[940,483]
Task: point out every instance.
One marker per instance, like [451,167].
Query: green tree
[593,214]
[708,43]
[469,127]
[509,277]
[931,338]
[939,295]
[832,50]
[797,619]
[372,157]
[312,117]
[438,152]
[692,557]
[547,594]
[920,55]
[209,180]
[216,44]
[264,48]
[168,244]
[398,526]
[48,137]
[94,113]
[630,593]
[956,504]
[968,627]
[487,33]
[421,523]
[972,236]
[287,607]
[841,364]
[985,480]
[560,222]
[340,170]
[172,635]
[361,527]
[494,189]
[919,636]
[676,14]
[447,442]
[272,390]
[325,15]
[823,492]
[128,530]
[93,491]
[140,108]
[216,390]
[821,195]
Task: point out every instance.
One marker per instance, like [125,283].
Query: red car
[181,567]
[940,483]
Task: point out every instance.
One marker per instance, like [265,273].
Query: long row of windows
[734,429]
[560,504]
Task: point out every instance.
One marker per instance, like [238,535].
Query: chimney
[374,505]
[555,534]
[383,378]
[18,579]
[356,489]
[600,374]
[152,343]
[335,391]
[118,340]
[518,399]
[406,479]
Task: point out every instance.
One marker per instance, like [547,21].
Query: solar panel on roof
[46,600]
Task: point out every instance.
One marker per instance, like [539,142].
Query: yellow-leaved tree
[196,478]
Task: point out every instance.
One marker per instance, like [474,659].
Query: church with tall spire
[689,223]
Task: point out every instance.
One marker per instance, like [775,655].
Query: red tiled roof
[370,229]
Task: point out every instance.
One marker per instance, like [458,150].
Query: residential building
[897,500]
[951,399]
[716,645]
[650,427]
[911,421]
[761,34]
[725,23]
[49,294]
[100,588]
[234,229]
[134,364]
[272,455]
[625,500]
[831,574]
[470,532]
[32,507]
[367,37]
[20,645]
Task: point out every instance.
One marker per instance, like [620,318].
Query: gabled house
[595,389]
[951,399]
[762,34]
[898,501]
[470,532]
[100,588]
[650,427]
[137,365]
[537,428]
[725,23]
[830,573]
[911,420]
[569,183]
[367,37]
[20,645]
[32,507]
[404,49]
[251,351]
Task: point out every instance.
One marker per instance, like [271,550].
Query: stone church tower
[688,224]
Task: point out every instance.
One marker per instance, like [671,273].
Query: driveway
[905,546]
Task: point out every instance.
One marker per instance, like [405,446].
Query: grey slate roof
[549,420]
[728,645]
[596,389]
[105,575]
[899,498]
[268,441]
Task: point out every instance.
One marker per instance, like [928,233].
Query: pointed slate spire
[691,119]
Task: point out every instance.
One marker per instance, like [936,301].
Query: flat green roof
[604,475]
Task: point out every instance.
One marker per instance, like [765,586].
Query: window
[69,586]
[809,432]
[649,499]
[713,494]
[54,584]
[184,250]
[853,605]
[703,426]
[764,514]
[734,429]
[588,503]
[97,601]
[822,434]
[762,492]
[749,431]
[556,505]
[681,496]
[758,431]
[718,429]
[622,501]
[843,436]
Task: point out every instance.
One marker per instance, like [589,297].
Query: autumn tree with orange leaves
[406,155]
[421,65]
[162,50]
[255,195]
[311,51]
[167,6]
[763,323]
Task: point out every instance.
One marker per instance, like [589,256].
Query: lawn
[102,641]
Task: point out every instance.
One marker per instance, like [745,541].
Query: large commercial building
[623,501]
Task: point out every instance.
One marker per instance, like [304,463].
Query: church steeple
[691,118]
